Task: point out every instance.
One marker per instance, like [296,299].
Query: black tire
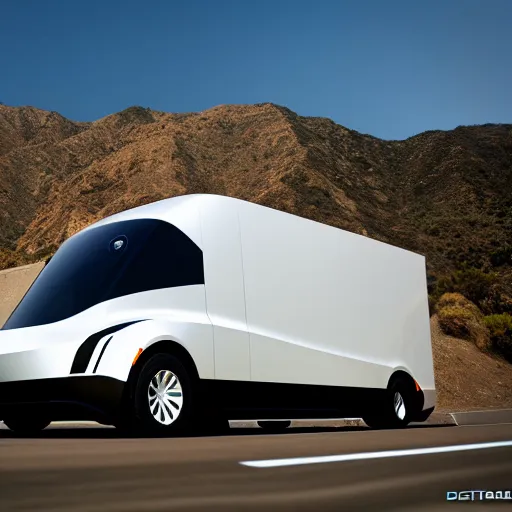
[143,420]
[274,426]
[396,410]
[27,425]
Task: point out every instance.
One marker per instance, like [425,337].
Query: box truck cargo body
[203,307]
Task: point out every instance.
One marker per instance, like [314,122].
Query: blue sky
[388,68]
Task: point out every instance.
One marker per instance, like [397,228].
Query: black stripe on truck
[101,354]
[84,353]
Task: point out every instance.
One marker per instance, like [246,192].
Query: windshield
[106,262]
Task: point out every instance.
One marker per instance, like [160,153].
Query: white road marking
[297,461]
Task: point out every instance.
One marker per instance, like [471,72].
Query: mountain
[445,194]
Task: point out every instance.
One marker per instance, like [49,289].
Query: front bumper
[89,397]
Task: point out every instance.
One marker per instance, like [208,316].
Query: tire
[27,425]
[396,410]
[164,399]
[274,426]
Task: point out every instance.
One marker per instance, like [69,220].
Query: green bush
[496,302]
[470,282]
[499,324]
[500,329]
[460,318]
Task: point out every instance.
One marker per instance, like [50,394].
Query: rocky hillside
[447,195]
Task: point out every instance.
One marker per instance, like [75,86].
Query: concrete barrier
[491,417]
[14,283]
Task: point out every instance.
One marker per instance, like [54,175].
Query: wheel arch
[401,375]
[416,393]
[165,346]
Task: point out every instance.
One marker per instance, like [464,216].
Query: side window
[167,259]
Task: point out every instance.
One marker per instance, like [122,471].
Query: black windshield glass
[108,262]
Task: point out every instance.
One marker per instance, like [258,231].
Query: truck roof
[182,210]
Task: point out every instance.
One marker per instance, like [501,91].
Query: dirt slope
[467,379]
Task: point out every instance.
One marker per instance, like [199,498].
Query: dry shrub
[500,328]
[470,282]
[9,259]
[460,318]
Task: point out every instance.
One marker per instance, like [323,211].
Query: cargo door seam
[243,286]
[200,212]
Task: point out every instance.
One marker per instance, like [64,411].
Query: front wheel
[26,425]
[163,401]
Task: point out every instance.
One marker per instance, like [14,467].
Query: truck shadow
[105,432]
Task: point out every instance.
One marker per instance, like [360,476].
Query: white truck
[199,309]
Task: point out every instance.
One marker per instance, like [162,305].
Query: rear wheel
[164,397]
[397,408]
[274,426]
[27,425]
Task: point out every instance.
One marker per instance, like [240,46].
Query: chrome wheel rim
[165,397]
[399,406]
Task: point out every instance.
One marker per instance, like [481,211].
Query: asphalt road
[93,469]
